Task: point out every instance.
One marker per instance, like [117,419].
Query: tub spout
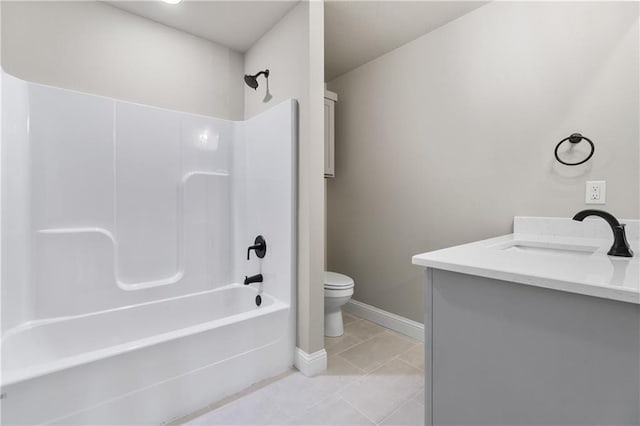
[253,279]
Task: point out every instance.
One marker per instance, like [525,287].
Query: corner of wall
[293,51]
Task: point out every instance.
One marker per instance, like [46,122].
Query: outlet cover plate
[595,192]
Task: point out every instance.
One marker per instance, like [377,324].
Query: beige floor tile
[374,352]
[414,356]
[347,317]
[252,409]
[363,329]
[420,397]
[340,367]
[344,394]
[253,389]
[335,345]
[295,394]
[339,374]
[410,413]
[334,412]
[404,336]
[384,390]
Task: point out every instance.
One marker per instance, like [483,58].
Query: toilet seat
[337,293]
[336,281]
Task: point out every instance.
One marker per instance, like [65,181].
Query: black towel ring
[575,138]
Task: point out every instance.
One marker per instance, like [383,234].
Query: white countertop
[555,253]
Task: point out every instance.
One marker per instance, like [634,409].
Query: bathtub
[144,364]
[120,302]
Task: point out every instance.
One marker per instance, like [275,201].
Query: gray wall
[95,48]
[443,140]
[293,51]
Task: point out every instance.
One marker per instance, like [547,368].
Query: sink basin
[535,247]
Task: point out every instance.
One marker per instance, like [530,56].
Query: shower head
[252,80]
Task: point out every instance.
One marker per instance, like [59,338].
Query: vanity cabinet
[538,327]
[504,353]
[330,100]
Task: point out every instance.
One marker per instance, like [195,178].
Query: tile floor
[374,377]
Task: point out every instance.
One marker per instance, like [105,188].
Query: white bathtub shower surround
[189,315]
[100,370]
[124,236]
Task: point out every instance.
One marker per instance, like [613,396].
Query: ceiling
[235,24]
[357,32]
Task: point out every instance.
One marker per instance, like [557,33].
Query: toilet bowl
[338,289]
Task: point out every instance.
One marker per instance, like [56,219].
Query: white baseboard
[394,322]
[310,364]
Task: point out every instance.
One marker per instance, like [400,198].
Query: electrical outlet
[596,192]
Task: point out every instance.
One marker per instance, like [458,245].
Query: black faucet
[620,245]
[253,279]
[260,247]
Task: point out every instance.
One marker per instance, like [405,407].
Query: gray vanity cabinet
[502,353]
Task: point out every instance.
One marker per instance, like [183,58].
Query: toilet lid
[334,280]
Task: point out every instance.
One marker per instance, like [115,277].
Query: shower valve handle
[259,246]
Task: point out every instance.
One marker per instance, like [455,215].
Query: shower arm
[265,73]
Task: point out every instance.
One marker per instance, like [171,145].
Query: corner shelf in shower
[129,286]
[189,175]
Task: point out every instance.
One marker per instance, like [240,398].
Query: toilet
[338,289]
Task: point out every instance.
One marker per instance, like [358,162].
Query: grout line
[385,330]
[230,400]
[410,398]
[388,330]
[334,394]
[405,352]
[352,364]
[413,397]
[360,375]
[349,347]
[395,410]
[360,343]
[402,336]
[407,364]
[357,410]
[295,418]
